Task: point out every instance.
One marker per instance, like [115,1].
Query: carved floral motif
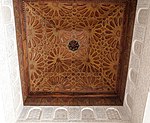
[93,67]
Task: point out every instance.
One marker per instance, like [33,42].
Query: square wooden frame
[72,100]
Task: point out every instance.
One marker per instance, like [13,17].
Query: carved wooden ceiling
[74,52]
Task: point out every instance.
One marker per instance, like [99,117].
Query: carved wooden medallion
[74,52]
[73,45]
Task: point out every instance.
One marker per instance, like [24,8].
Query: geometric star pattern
[93,67]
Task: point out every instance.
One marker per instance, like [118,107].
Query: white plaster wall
[146,118]
[74,114]
[138,80]
[10,89]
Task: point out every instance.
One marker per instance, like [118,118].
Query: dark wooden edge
[30,99]
[100,94]
[126,46]
[76,101]
[21,45]
[112,1]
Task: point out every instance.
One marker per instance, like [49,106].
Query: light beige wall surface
[138,81]
[10,86]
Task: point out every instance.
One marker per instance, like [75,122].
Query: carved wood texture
[95,67]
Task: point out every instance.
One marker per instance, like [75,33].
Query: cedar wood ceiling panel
[74,52]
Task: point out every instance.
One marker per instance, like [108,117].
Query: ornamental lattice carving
[94,66]
[74,52]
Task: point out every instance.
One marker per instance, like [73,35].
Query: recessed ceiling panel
[74,52]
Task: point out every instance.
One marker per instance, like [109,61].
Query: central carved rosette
[73,45]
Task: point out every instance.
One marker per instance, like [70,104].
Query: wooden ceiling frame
[74,99]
